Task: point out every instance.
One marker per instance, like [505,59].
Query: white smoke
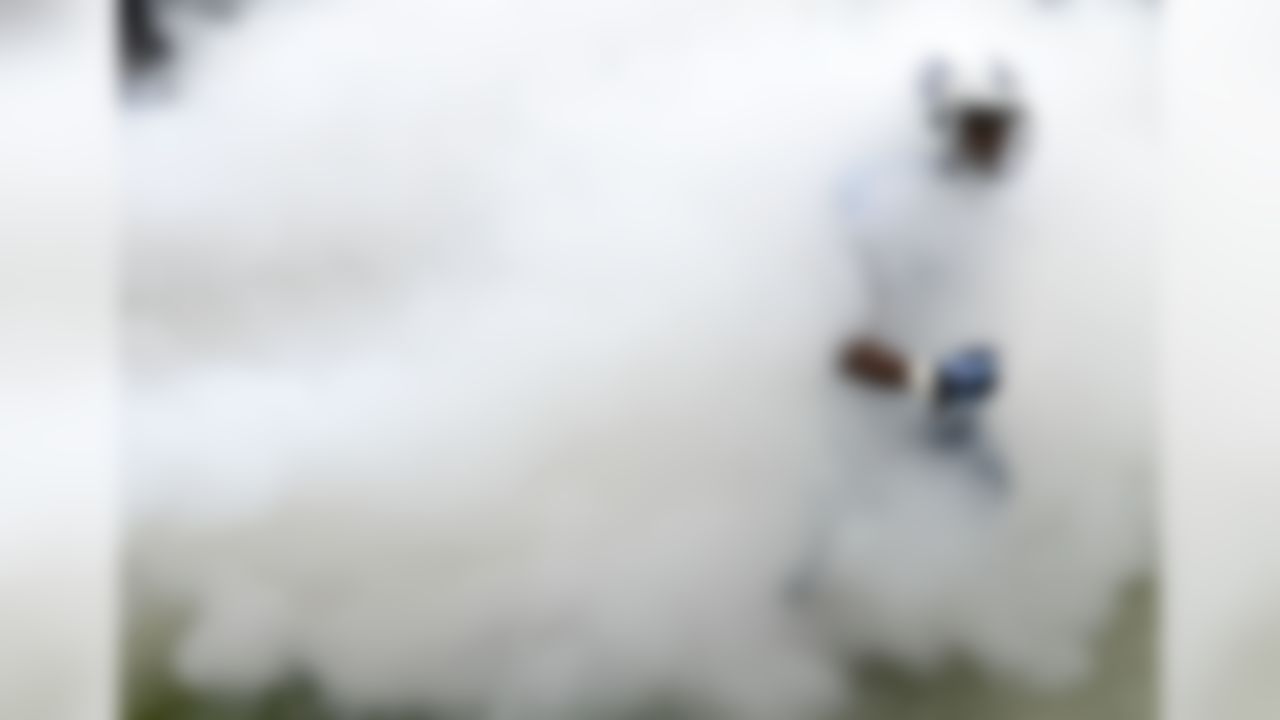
[482,352]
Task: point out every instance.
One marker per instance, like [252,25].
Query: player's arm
[970,375]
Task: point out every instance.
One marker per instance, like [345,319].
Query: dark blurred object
[984,132]
[145,38]
[875,364]
[141,40]
[977,110]
[967,377]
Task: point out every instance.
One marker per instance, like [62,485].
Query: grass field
[1122,688]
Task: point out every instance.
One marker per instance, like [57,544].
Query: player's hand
[967,377]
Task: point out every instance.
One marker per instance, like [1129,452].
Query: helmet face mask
[978,117]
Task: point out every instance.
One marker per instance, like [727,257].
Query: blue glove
[967,377]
